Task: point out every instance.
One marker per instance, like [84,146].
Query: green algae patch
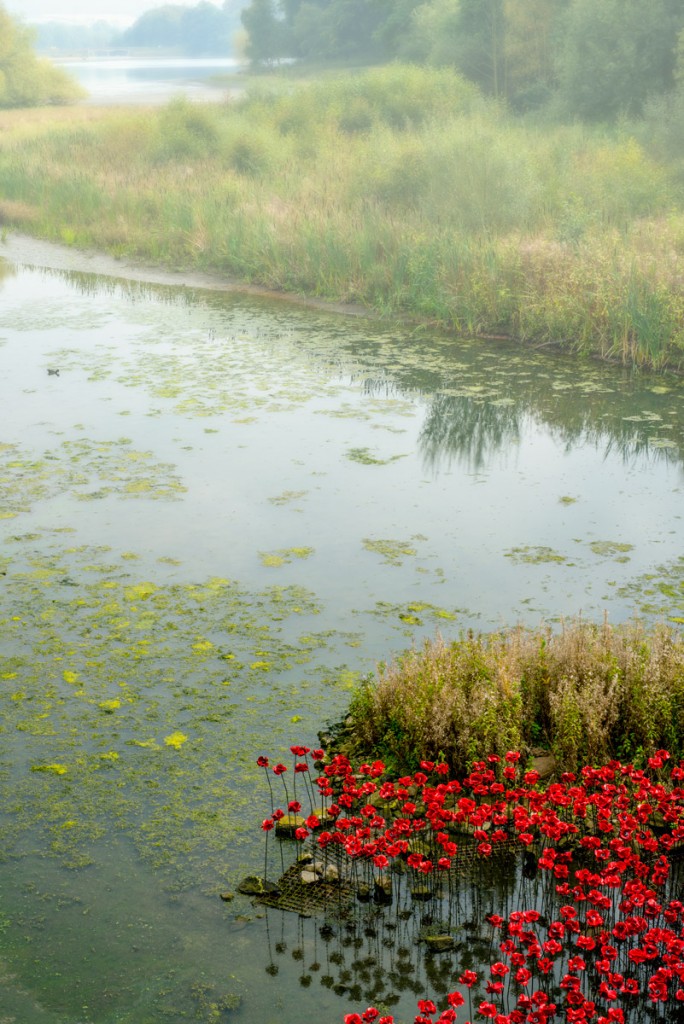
[535,555]
[105,680]
[50,769]
[284,556]
[175,740]
[659,593]
[365,457]
[86,470]
[407,617]
[611,549]
[288,497]
[392,552]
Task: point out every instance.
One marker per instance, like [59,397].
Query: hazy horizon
[86,12]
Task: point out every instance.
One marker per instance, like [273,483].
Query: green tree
[196,31]
[615,53]
[160,26]
[530,44]
[395,26]
[205,30]
[25,79]
[265,32]
[468,35]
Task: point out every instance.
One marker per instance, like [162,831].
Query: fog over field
[118,12]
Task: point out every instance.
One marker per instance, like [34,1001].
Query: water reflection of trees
[6,270]
[603,407]
[472,430]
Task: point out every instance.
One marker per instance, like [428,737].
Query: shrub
[589,693]
[186,131]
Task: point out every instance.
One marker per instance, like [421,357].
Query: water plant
[587,692]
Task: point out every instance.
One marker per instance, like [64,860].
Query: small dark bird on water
[53,373]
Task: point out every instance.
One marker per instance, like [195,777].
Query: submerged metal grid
[306,898]
[322,897]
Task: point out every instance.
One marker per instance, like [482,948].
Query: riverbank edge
[33,253]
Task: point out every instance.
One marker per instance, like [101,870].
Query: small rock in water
[383,889]
[331,874]
[309,877]
[288,825]
[439,943]
[227,896]
[253,885]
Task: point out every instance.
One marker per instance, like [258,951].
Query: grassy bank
[588,694]
[400,188]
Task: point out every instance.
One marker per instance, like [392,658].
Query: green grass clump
[588,693]
[400,188]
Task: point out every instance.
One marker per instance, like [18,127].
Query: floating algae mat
[216,513]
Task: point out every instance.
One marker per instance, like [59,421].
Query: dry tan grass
[588,693]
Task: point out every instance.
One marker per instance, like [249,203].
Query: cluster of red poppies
[610,942]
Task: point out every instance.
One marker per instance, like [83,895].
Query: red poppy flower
[262,761]
[426,1006]
[279,769]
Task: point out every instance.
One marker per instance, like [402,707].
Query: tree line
[593,59]
[205,29]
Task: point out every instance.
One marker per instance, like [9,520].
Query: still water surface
[128,81]
[215,516]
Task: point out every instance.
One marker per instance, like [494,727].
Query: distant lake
[124,80]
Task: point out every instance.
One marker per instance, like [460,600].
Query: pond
[218,511]
[117,80]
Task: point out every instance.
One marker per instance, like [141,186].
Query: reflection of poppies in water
[532,903]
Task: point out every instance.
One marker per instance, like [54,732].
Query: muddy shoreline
[35,253]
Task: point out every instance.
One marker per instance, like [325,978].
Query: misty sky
[118,12]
